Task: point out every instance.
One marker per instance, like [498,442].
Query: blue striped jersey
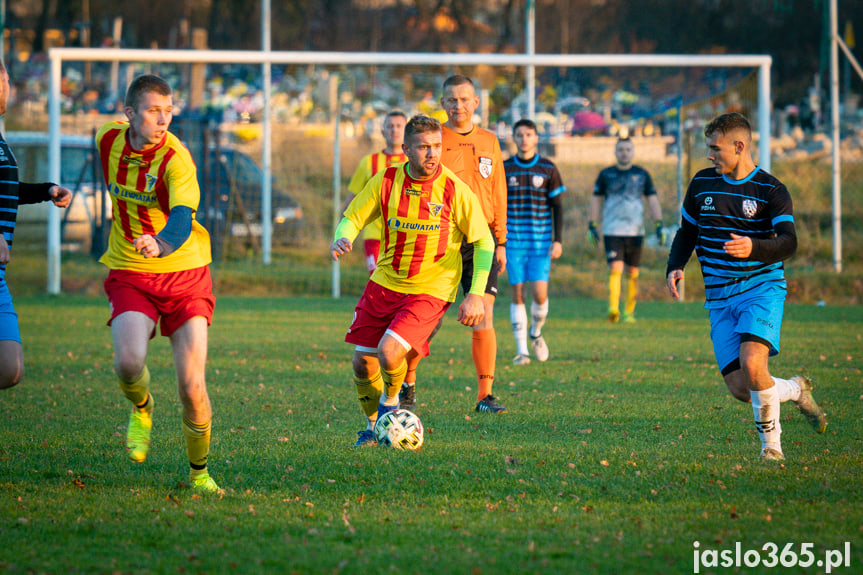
[12,194]
[719,206]
[530,187]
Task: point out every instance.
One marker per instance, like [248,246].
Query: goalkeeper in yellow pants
[619,193]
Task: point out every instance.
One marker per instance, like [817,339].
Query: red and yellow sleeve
[366,205]
[362,174]
[181,177]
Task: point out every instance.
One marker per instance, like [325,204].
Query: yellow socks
[631,293]
[393,382]
[197,442]
[138,390]
[369,393]
[614,291]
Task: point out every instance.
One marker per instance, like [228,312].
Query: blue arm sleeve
[176,231]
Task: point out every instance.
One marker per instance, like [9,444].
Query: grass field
[617,455]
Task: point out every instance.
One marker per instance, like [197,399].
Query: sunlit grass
[616,455]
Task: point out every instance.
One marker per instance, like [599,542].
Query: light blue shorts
[755,319]
[527,266]
[8,317]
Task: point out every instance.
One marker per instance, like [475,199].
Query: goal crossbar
[58,55]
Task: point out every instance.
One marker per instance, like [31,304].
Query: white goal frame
[266,58]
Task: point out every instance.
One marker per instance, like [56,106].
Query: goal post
[382,59]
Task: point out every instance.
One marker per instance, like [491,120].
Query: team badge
[708,200]
[537,181]
[485,167]
[435,209]
[513,181]
[151,181]
[749,208]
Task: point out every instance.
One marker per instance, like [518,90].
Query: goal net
[326,110]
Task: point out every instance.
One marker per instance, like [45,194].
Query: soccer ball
[401,429]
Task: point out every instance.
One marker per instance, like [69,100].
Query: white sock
[518,317]
[538,313]
[409,383]
[765,406]
[788,389]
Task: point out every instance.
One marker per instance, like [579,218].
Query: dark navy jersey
[532,190]
[624,192]
[758,206]
[11,194]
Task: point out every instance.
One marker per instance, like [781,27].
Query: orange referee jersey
[424,223]
[144,186]
[475,158]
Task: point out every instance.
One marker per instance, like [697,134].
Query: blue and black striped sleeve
[34,193]
[783,243]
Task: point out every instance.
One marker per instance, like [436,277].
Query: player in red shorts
[158,257]
[393,132]
[426,212]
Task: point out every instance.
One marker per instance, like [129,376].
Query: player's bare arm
[500,255]
[471,311]
[556,250]
[147,246]
[61,196]
[738,246]
[4,251]
[674,276]
[341,246]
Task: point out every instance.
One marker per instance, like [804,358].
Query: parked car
[231,197]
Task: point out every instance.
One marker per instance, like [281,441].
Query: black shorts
[467,269]
[626,248]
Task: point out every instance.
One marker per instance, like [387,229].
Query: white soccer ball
[401,429]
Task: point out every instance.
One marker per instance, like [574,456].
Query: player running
[158,257]
[739,220]
[427,212]
[12,194]
[534,216]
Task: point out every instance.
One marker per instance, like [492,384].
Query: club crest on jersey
[485,167]
[708,204]
[513,181]
[151,181]
[749,208]
[435,209]
[537,181]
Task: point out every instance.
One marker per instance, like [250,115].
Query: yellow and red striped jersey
[475,158]
[368,167]
[424,223]
[144,186]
